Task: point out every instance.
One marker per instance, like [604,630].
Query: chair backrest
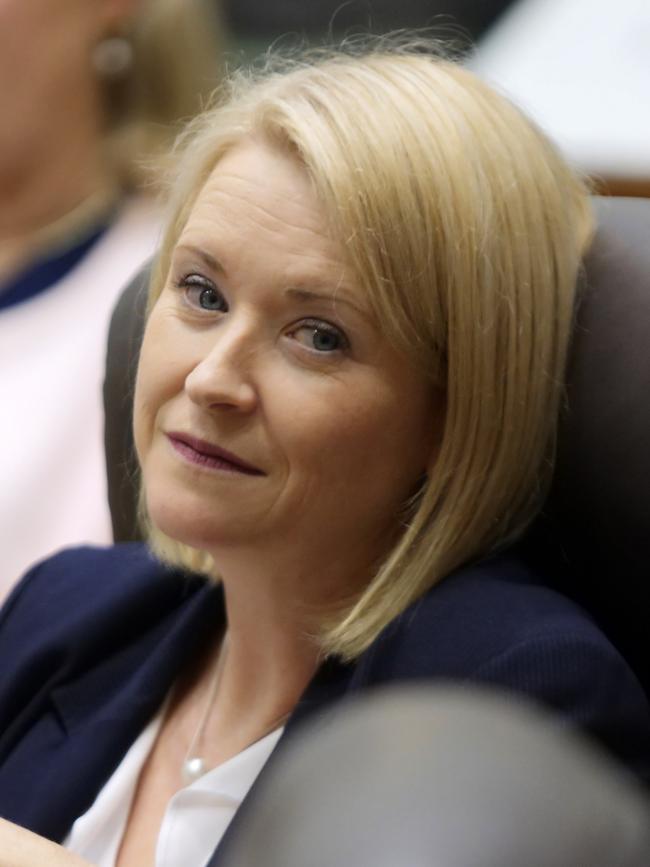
[594,532]
[595,526]
[124,341]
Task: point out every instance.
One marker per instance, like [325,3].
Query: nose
[223,378]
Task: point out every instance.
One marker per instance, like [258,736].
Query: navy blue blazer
[92,639]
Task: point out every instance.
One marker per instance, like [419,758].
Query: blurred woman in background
[91,95]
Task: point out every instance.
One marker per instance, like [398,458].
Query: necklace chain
[194,764]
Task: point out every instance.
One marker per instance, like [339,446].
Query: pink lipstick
[205,454]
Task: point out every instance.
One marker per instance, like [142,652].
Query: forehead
[259,191]
[259,219]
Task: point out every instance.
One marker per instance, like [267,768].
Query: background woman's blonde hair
[466,229]
[177,49]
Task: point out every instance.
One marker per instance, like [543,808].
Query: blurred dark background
[255,23]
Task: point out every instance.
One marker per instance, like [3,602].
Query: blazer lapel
[91,720]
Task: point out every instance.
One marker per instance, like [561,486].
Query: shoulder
[94,629]
[497,624]
[81,590]
[479,613]
[95,609]
[66,572]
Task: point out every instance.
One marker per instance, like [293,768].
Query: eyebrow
[302,294]
[299,293]
[210,260]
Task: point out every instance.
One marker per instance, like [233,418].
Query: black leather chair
[594,533]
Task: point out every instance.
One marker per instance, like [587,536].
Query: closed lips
[201,452]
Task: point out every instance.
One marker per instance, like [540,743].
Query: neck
[273,614]
[271,654]
[244,688]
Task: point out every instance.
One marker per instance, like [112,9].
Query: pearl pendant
[193,768]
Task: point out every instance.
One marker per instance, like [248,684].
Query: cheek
[157,381]
[143,418]
[360,438]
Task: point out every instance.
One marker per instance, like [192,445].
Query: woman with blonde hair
[93,95]
[345,415]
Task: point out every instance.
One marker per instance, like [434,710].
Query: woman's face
[269,406]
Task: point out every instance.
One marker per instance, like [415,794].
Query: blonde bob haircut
[176,66]
[466,229]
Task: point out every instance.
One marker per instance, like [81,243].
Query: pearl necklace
[194,764]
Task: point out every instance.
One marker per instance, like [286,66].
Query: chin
[186,519]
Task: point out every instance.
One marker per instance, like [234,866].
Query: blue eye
[201,292]
[210,299]
[320,337]
[325,341]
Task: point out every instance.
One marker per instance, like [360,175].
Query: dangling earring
[113,57]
